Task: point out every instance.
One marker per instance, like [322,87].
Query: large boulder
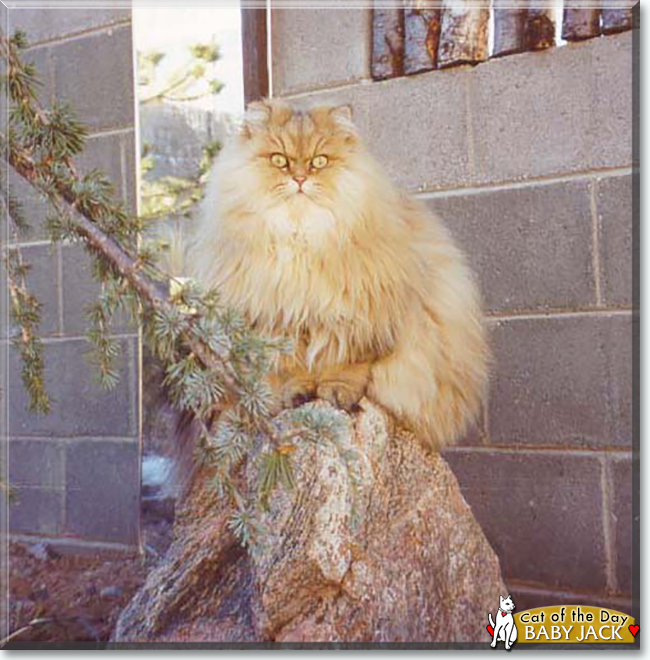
[375,543]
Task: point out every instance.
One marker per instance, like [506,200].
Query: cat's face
[299,157]
[506,604]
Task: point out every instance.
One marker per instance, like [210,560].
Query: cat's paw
[294,395]
[340,395]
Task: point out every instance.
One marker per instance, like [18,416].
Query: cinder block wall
[76,471]
[529,161]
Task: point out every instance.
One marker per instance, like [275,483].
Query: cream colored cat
[303,232]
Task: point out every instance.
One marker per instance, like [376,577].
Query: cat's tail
[491,620]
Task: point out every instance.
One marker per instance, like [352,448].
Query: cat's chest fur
[308,273]
[290,270]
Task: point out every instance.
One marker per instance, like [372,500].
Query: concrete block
[103,490]
[418,129]
[622,520]
[530,113]
[44,24]
[611,105]
[562,381]
[36,463]
[531,246]
[614,203]
[542,514]
[316,48]
[553,112]
[36,511]
[35,206]
[41,58]
[80,291]
[43,282]
[528,599]
[81,406]
[104,152]
[94,73]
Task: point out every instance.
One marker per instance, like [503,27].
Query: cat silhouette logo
[504,628]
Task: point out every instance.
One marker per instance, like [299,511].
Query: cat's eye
[279,160]
[319,162]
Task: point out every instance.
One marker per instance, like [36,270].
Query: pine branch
[215,362]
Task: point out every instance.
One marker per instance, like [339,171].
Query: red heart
[490,629]
[633,629]
[503,613]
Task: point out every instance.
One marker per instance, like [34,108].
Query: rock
[391,555]
[111,592]
[42,551]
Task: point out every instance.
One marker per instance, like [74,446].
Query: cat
[303,232]
[505,629]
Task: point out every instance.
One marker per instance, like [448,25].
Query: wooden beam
[616,20]
[421,36]
[254,49]
[387,42]
[463,33]
[580,23]
[540,25]
[509,27]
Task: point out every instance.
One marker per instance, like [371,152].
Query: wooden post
[387,42]
[509,27]
[616,20]
[254,44]
[463,33]
[540,25]
[421,36]
[580,23]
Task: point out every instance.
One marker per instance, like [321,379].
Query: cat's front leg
[291,388]
[344,386]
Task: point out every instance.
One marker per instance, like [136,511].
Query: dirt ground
[60,598]
[68,598]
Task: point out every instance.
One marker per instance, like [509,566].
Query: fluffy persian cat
[303,232]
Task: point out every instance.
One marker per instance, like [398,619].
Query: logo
[504,628]
[561,624]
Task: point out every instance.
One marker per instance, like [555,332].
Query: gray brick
[551,112]
[103,490]
[95,74]
[315,48]
[41,58]
[527,599]
[541,513]
[104,153]
[43,24]
[622,522]
[115,156]
[614,203]
[612,100]
[80,290]
[34,205]
[418,129]
[36,463]
[531,247]
[42,282]
[130,194]
[81,407]
[36,511]
[562,381]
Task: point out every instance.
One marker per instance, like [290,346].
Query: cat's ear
[256,118]
[342,113]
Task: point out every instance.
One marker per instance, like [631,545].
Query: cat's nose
[300,180]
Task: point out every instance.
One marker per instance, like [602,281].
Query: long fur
[368,283]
